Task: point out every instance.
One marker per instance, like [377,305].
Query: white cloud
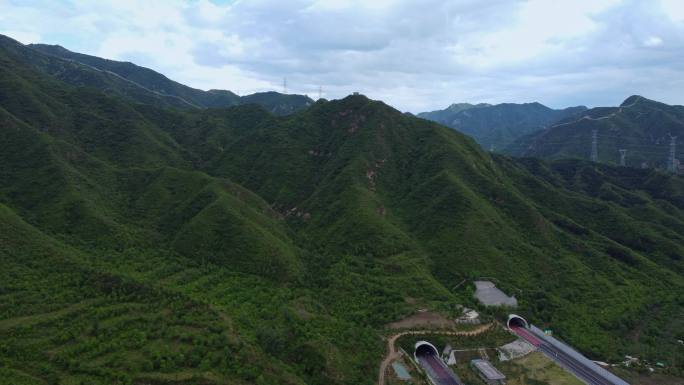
[539,27]
[339,5]
[415,55]
[674,9]
[24,37]
[653,41]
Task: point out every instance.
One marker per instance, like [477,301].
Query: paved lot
[488,294]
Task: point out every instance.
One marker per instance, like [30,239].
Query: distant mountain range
[141,84]
[497,126]
[642,127]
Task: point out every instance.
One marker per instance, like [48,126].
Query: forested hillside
[140,84]
[643,128]
[149,244]
[495,127]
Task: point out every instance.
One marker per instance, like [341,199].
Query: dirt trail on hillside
[392,353]
[612,114]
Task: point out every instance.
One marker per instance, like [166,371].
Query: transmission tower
[672,160]
[623,157]
[594,146]
[284,85]
[320,92]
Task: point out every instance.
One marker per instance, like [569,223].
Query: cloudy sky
[415,55]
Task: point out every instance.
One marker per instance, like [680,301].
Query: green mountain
[143,244]
[497,126]
[444,115]
[641,126]
[144,77]
[142,84]
[78,74]
[277,103]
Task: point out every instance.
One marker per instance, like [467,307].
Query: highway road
[526,335]
[437,370]
[392,353]
[581,370]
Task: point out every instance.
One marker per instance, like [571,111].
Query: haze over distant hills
[497,126]
[641,126]
[147,242]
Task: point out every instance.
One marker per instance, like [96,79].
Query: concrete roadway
[437,370]
[578,368]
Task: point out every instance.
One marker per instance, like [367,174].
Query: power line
[671,162]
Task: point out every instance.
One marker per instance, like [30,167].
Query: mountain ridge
[497,126]
[145,77]
[141,84]
[639,125]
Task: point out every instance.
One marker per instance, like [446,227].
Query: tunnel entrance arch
[515,320]
[424,348]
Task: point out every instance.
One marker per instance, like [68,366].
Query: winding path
[612,114]
[392,353]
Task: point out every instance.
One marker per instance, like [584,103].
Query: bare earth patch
[423,319]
